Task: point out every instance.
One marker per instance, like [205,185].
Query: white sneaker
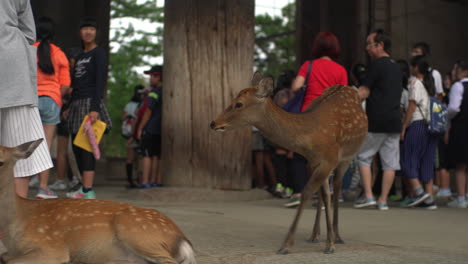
[74,182]
[34,182]
[59,185]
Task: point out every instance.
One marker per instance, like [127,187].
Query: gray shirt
[17,57]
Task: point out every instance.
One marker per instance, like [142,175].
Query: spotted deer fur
[328,134]
[82,231]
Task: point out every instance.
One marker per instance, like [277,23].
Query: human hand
[94,116]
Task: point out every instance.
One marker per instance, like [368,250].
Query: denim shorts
[49,111]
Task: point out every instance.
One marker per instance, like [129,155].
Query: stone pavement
[248,227]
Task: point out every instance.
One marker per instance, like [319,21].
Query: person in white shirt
[419,145]
[422,48]
[458,134]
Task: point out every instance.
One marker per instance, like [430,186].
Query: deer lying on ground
[82,231]
[328,134]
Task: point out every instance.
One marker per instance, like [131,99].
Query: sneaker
[382,206]
[294,201]
[418,199]
[74,182]
[79,194]
[361,203]
[34,182]
[405,202]
[279,188]
[435,188]
[394,197]
[444,193]
[46,194]
[144,186]
[427,206]
[59,185]
[457,204]
[287,193]
[341,198]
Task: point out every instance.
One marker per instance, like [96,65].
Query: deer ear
[256,78]
[265,87]
[25,150]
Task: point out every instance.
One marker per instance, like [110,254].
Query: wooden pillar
[208,59]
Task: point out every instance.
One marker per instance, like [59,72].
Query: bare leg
[269,167]
[88,179]
[259,172]
[49,131]
[460,175]
[366,180]
[146,170]
[428,186]
[22,186]
[444,179]
[387,182]
[62,161]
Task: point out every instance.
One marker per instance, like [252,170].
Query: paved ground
[248,227]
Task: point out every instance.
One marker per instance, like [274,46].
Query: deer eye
[239,105]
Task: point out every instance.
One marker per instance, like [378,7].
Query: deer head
[245,107]
[9,156]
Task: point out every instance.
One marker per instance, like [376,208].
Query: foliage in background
[130,48]
[274,44]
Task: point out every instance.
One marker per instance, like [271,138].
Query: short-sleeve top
[417,92]
[324,73]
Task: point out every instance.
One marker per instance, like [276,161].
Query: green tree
[130,48]
[274,44]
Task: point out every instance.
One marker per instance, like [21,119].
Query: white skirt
[19,125]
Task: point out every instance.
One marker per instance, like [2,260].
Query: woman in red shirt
[324,72]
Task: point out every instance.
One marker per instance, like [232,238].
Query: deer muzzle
[217,128]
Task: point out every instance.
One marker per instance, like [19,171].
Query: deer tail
[185,253]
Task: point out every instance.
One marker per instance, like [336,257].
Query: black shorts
[150,145]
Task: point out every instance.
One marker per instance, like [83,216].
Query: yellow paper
[81,139]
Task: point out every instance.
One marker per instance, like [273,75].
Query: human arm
[455,99]
[101,65]
[407,119]
[144,120]
[363,92]
[438,84]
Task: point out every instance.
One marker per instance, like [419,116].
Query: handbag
[294,105]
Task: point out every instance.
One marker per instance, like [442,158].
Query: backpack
[438,114]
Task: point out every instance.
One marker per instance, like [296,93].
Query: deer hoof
[339,241]
[313,240]
[329,251]
[283,251]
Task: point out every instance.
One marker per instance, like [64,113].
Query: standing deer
[328,134]
[82,231]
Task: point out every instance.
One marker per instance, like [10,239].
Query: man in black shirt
[382,88]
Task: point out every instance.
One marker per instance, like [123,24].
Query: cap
[155,70]
[88,22]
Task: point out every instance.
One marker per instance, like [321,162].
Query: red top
[324,73]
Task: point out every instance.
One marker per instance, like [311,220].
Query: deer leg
[319,174]
[330,247]
[316,230]
[337,184]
